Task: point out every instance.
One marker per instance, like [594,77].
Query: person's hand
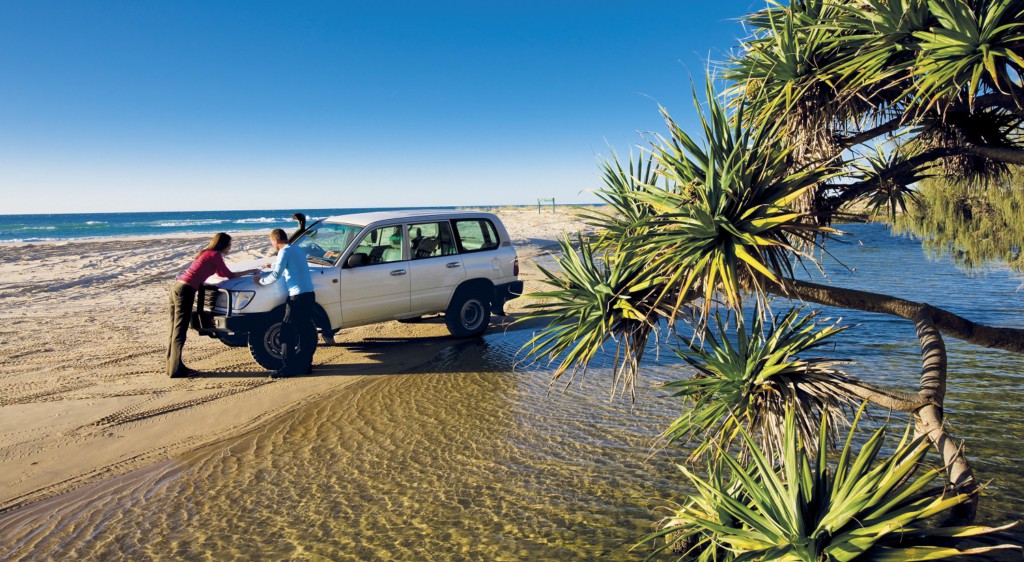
[256,279]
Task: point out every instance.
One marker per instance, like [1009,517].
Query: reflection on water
[467,459]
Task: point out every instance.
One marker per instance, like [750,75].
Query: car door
[378,288]
[435,266]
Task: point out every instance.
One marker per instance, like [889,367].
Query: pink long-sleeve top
[205,265]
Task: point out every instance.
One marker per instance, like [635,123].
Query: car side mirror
[356,260]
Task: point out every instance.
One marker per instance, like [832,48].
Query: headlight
[241,299]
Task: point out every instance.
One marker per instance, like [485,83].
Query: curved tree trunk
[929,419]
[930,322]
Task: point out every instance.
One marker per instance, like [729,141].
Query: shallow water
[471,458]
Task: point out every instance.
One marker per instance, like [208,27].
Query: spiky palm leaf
[717,224]
[727,228]
[876,51]
[746,380]
[779,68]
[625,213]
[975,47]
[865,507]
[892,195]
[595,298]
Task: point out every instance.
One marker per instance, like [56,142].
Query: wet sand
[83,334]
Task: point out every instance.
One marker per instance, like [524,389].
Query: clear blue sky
[180,105]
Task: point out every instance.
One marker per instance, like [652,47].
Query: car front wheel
[265,343]
[468,315]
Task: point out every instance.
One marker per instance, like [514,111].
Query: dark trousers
[182,298]
[298,319]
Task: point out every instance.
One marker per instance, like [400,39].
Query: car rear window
[474,235]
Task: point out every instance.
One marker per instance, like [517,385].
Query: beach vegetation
[799,505]
[911,109]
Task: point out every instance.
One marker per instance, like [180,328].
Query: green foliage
[890,197]
[974,225]
[697,221]
[626,213]
[722,218]
[724,226]
[780,65]
[745,385]
[866,506]
[593,299]
[972,49]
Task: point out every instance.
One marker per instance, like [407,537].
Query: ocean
[38,228]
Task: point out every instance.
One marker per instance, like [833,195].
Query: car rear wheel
[468,314]
[265,343]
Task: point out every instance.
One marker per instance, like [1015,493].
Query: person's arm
[221,268]
[275,273]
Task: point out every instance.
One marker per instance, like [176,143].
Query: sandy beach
[83,334]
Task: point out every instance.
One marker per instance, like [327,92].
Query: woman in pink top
[183,294]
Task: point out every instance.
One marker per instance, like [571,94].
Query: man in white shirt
[298,309]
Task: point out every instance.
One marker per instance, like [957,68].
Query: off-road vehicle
[374,267]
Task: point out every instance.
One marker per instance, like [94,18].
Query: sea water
[476,456]
[35,228]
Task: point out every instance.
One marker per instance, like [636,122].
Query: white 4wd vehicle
[375,267]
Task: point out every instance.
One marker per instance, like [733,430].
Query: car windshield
[325,243]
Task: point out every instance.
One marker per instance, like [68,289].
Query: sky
[122,106]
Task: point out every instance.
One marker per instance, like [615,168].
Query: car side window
[380,245]
[431,239]
[475,235]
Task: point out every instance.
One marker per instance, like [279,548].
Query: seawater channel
[476,457]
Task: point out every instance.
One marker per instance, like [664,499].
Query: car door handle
[397,272]
[452,264]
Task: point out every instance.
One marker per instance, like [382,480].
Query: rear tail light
[515,267]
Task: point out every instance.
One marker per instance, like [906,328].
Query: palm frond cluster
[747,385]
[934,73]
[694,225]
[800,506]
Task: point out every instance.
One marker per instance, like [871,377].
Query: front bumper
[211,320]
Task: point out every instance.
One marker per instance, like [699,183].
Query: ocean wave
[39,228]
[189,222]
[259,220]
[94,223]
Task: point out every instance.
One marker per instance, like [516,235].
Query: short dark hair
[278,235]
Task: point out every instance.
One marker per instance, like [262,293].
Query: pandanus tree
[829,103]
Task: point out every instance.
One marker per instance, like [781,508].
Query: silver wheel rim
[472,314]
[272,340]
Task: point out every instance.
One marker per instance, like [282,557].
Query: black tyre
[265,343]
[468,314]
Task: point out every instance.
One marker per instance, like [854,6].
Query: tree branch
[999,100]
[952,325]
[1000,153]
[865,136]
[907,168]
[890,399]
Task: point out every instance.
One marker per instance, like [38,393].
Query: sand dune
[83,334]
